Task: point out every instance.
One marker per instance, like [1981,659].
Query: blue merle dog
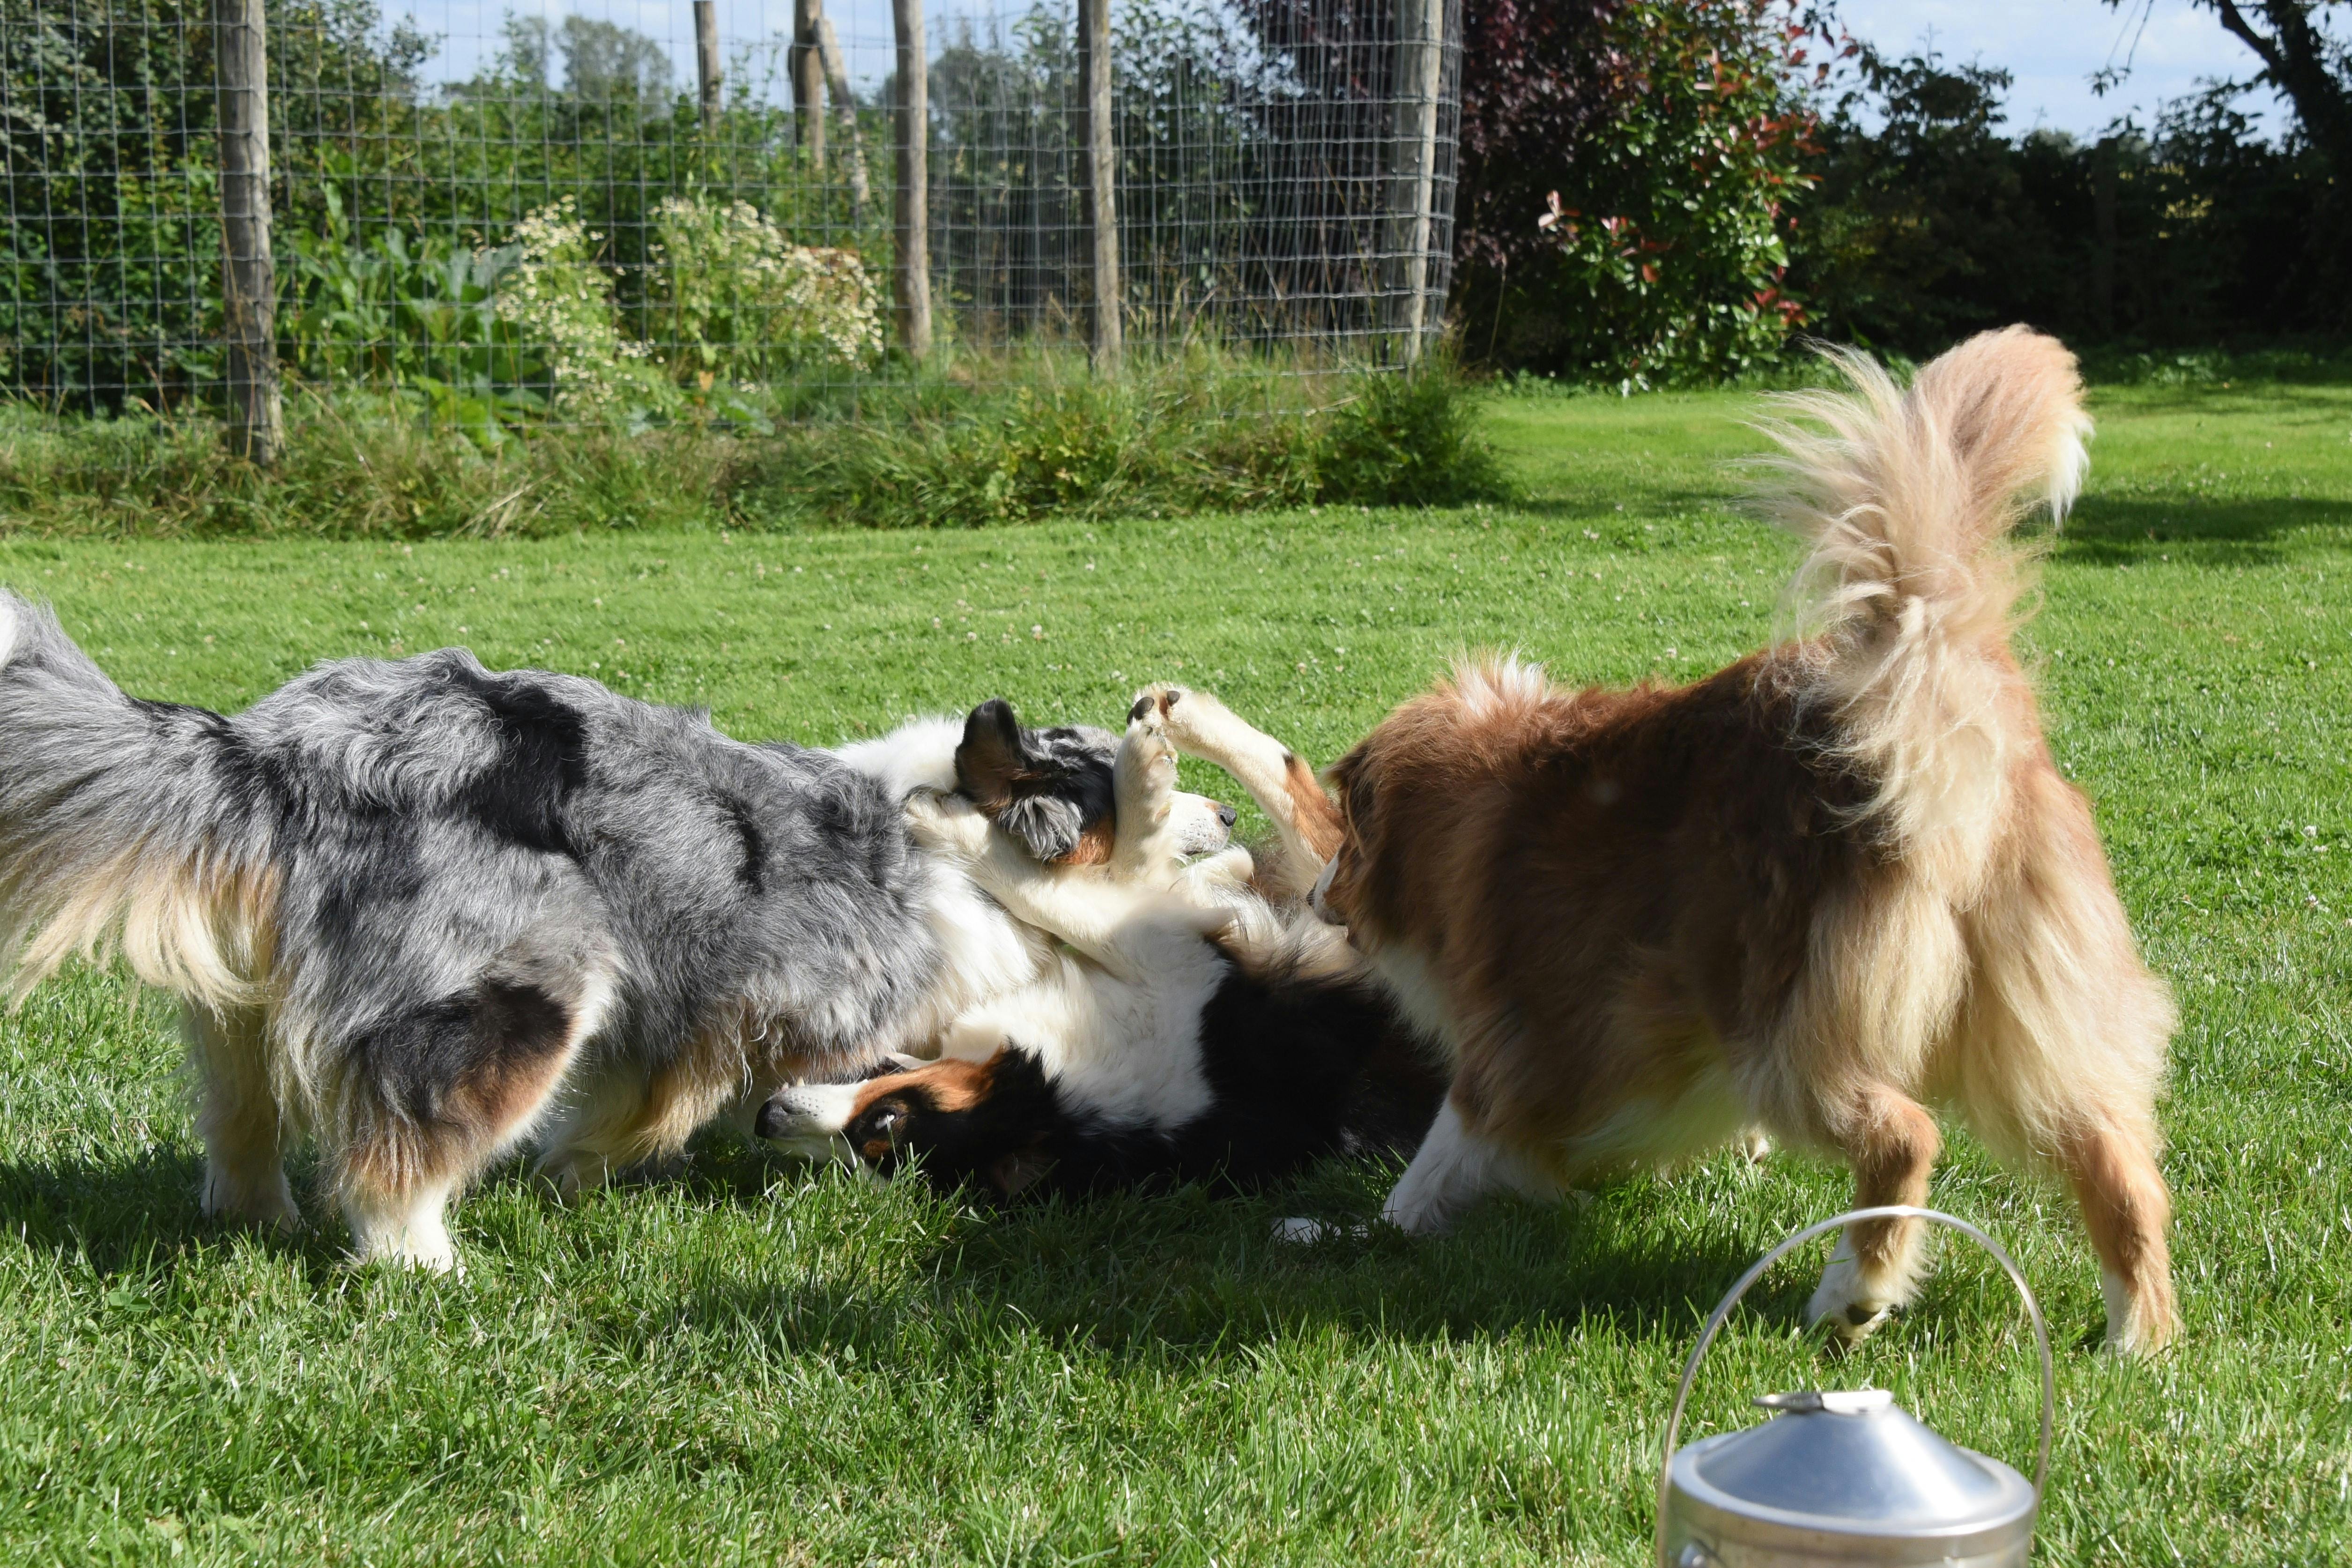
[425,912]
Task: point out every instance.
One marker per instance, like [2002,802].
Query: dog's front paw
[948,826]
[1146,766]
[1155,703]
[1198,722]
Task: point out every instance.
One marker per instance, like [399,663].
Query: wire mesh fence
[661,210]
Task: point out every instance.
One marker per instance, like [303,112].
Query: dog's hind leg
[2126,1206]
[238,1118]
[430,1097]
[1892,1143]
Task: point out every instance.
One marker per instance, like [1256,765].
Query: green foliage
[1009,440]
[1199,432]
[1669,215]
[737,302]
[366,467]
[1409,439]
[1930,222]
[418,318]
[110,237]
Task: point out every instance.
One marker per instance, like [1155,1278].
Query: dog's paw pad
[1155,703]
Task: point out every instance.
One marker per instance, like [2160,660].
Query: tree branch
[2295,56]
[2234,21]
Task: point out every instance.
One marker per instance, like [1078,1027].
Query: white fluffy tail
[1903,498]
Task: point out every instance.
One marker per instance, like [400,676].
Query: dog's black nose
[772,1120]
[1227,815]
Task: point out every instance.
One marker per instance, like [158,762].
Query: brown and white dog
[1821,890]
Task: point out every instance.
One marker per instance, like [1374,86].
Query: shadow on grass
[1186,1276]
[138,1219]
[2110,531]
[1170,1276]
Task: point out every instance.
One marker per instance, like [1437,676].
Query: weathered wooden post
[706,59]
[1419,78]
[249,275]
[911,271]
[1102,181]
[845,106]
[808,83]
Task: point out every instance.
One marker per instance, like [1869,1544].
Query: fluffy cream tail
[1904,498]
[116,834]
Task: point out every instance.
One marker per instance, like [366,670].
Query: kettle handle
[1888,1211]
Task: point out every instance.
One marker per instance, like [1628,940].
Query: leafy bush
[1406,439]
[738,303]
[1666,139]
[559,301]
[366,468]
[1930,222]
[419,319]
[1196,432]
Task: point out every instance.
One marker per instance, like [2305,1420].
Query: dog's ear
[1351,781]
[1049,825]
[989,754]
[1011,1174]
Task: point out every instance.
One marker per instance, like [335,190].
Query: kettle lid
[1852,1461]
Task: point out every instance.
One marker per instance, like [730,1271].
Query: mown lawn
[752,1363]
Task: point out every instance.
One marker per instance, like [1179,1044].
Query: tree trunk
[808,83]
[1102,182]
[706,59]
[249,275]
[845,108]
[1419,81]
[911,272]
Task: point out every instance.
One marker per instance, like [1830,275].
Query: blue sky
[2052,47]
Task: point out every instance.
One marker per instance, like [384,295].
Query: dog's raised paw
[945,824]
[1157,701]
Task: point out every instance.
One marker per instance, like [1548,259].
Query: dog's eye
[887,1118]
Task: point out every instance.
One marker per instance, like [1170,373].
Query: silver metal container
[1845,1476]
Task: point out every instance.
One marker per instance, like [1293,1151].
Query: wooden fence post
[844,107]
[706,59]
[249,275]
[808,83]
[1418,80]
[912,268]
[1102,182]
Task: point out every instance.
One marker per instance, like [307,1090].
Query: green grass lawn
[753,1364]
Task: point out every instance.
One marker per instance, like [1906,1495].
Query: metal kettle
[1845,1476]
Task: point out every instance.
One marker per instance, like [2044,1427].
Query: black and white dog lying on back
[1205,1024]
[427,913]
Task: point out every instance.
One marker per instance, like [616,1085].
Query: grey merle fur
[422,910]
